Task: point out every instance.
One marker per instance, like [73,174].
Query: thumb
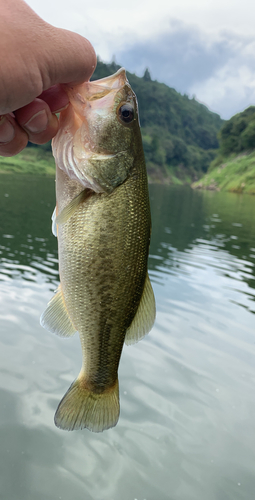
[67,58]
[39,56]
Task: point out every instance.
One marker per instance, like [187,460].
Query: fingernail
[38,123]
[6,131]
[61,109]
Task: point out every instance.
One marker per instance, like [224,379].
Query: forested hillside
[238,133]
[179,134]
[233,169]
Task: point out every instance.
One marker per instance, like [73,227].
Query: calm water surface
[187,422]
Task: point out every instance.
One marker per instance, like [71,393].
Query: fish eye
[126,113]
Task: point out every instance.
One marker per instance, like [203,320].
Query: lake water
[187,424]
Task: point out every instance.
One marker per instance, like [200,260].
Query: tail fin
[81,408]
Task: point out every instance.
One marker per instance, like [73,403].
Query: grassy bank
[234,173]
[39,161]
[29,161]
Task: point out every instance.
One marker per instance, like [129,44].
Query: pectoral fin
[54,225]
[145,315]
[56,318]
[71,208]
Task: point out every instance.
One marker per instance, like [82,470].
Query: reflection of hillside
[177,218]
[232,215]
[182,217]
[26,205]
[230,219]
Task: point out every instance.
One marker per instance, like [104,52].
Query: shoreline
[234,174]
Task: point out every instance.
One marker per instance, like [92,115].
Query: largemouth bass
[102,222]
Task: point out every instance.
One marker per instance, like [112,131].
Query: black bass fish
[102,222]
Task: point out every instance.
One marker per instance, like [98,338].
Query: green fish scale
[103,252]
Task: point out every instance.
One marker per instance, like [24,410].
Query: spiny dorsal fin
[145,315]
[56,318]
[70,209]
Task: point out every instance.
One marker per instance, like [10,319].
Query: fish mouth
[97,89]
[93,101]
[75,146]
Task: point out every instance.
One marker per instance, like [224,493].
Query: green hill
[179,134]
[31,161]
[233,169]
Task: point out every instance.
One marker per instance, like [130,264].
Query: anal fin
[56,318]
[145,315]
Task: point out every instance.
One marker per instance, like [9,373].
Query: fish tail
[80,408]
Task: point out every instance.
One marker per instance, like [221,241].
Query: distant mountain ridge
[179,133]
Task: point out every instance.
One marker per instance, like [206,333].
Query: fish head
[99,132]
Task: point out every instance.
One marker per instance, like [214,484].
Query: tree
[147,75]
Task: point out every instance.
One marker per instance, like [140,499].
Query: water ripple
[186,427]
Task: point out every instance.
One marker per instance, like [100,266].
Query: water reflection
[26,243]
[186,428]
[196,236]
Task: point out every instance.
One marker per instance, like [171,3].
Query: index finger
[56,98]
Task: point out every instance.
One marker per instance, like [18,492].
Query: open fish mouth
[98,95]
[97,89]
[84,126]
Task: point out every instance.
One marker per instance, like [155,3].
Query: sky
[203,48]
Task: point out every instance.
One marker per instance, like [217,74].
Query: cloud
[201,58]
[218,69]
[230,90]
[183,55]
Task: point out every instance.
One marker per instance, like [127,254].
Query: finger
[73,60]
[12,137]
[40,56]
[56,98]
[37,121]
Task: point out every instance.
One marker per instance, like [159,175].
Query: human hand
[35,59]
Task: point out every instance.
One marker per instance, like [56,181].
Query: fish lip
[97,89]
[112,80]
